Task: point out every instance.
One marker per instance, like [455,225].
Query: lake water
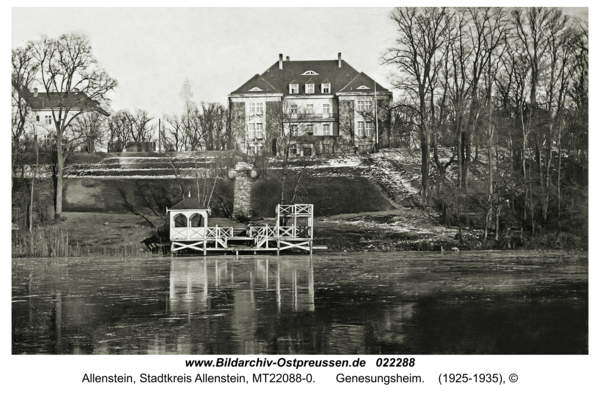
[367,303]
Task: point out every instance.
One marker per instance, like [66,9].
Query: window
[259,130]
[360,106]
[37,118]
[294,110]
[326,148]
[180,221]
[48,119]
[368,129]
[368,105]
[326,88]
[326,129]
[196,220]
[255,108]
[326,110]
[361,129]
[293,149]
[310,88]
[251,130]
[309,108]
[293,129]
[294,88]
[309,129]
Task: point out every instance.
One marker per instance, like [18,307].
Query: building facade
[308,108]
[46,106]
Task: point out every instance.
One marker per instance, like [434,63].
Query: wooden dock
[293,230]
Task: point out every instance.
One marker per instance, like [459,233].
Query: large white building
[313,106]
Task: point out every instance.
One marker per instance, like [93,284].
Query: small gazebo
[188,220]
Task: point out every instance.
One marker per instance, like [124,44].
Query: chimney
[287,58]
[35,92]
[339,59]
[280,61]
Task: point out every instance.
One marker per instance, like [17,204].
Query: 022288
[395,362]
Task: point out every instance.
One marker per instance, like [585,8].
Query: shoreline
[401,230]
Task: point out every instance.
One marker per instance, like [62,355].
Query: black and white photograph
[322,183]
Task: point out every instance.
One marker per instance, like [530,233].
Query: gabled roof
[327,71]
[47,101]
[189,204]
[259,82]
[363,83]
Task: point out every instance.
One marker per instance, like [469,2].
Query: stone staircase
[397,175]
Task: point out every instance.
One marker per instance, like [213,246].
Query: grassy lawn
[88,229]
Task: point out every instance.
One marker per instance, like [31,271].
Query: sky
[151,51]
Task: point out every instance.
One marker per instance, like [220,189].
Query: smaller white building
[188,220]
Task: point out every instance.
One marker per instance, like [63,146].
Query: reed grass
[54,243]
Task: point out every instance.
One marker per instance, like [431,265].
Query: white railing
[201,233]
[265,231]
[219,233]
[304,209]
[295,209]
[197,232]
[286,209]
[287,231]
[179,233]
[261,233]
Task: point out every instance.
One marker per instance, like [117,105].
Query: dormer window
[326,88]
[294,88]
[310,88]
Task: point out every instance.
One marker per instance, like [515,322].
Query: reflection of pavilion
[189,230]
[251,294]
[190,282]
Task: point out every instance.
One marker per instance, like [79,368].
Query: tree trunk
[33,182]
[488,218]
[559,167]
[59,176]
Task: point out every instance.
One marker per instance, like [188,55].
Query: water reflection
[387,303]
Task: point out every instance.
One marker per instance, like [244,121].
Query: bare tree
[75,83]
[140,125]
[212,120]
[423,37]
[288,125]
[191,126]
[91,130]
[24,70]
[118,128]
[174,138]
